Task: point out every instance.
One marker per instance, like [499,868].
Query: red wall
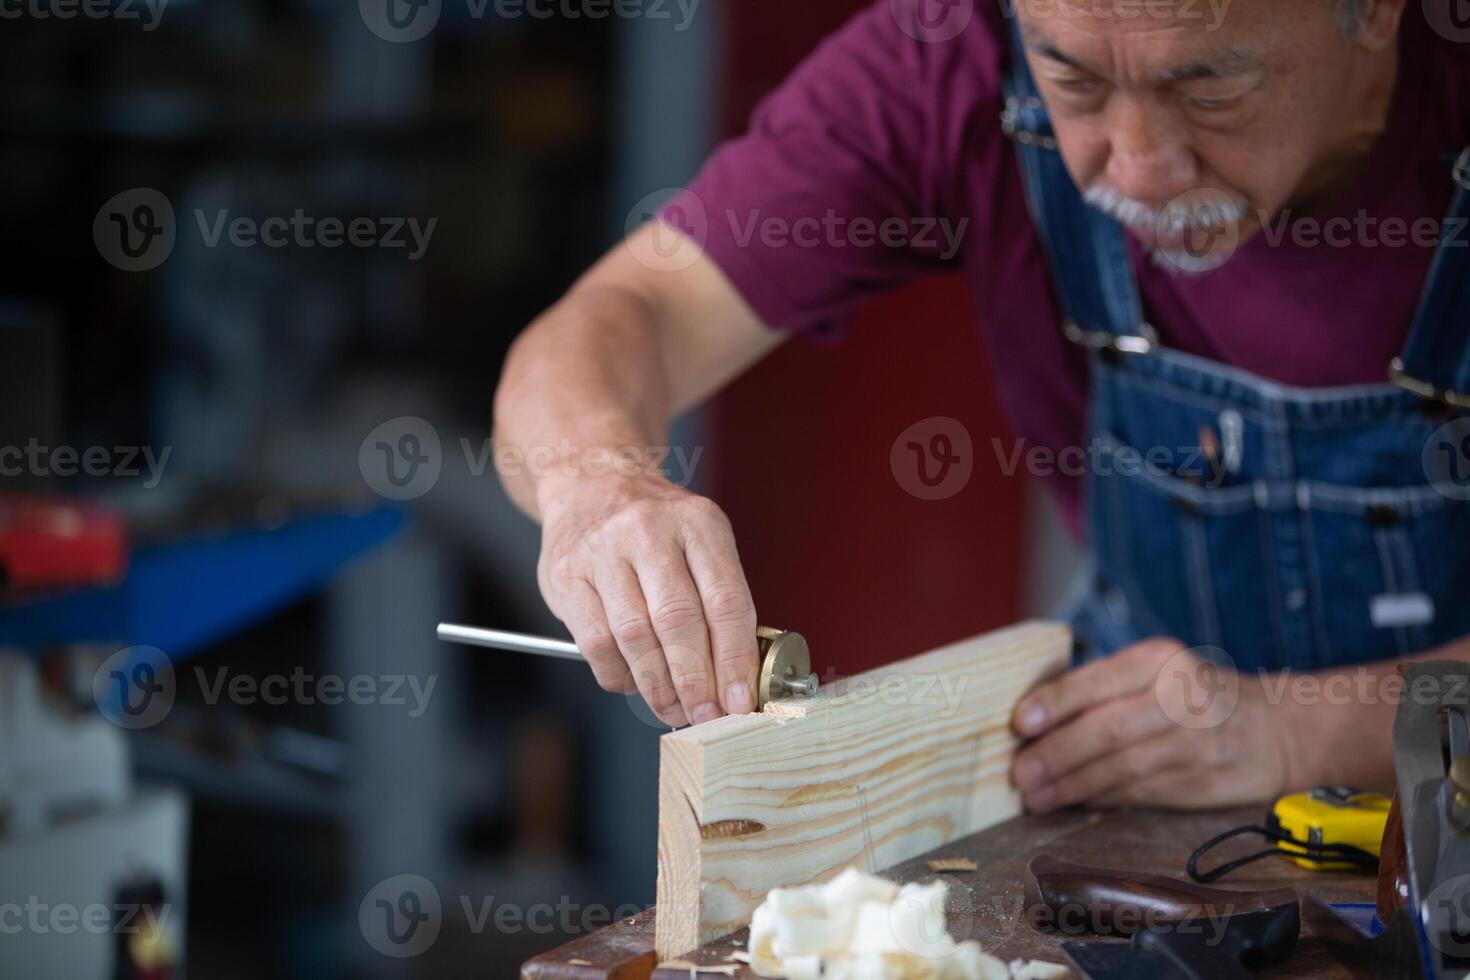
[832,544]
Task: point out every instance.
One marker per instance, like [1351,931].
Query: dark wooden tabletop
[986,904]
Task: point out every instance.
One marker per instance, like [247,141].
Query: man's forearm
[1344,719]
[588,374]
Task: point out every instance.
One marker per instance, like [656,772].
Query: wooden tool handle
[1393,865]
[1074,899]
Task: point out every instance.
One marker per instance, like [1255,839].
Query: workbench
[985,904]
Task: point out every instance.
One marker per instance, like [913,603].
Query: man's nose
[1149,160]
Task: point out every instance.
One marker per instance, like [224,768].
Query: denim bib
[1334,523]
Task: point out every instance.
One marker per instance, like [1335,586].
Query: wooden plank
[874,770]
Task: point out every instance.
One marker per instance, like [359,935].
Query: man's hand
[646,577]
[1153,725]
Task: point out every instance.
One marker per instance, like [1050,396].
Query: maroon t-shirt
[877,126]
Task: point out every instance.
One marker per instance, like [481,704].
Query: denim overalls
[1323,535]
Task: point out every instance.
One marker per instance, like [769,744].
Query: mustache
[1209,214]
[1176,217]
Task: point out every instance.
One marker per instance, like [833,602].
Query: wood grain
[875,770]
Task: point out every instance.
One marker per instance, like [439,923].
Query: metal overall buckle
[1142,342]
[1424,389]
[1461,171]
[1010,122]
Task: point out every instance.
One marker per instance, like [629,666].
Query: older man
[1238,227]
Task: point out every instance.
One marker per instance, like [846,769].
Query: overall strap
[1088,256]
[1436,361]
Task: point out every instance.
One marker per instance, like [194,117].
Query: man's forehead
[1178,39]
[1130,13]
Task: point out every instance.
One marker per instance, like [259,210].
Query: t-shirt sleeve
[838,190]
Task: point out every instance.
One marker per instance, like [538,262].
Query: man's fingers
[677,615]
[579,607]
[628,618]
[1137,763]
[1104,731]
[730,614]
[1126,672]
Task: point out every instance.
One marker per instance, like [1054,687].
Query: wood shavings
[859,925]
[952,864]
[1038,970]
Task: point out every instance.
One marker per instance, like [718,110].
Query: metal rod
[515,642]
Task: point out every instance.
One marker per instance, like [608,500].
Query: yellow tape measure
[1331,828]
[1330,815]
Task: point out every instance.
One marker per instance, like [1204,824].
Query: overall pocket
[1175,550]
[1390,570]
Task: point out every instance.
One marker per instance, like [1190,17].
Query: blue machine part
[184,596]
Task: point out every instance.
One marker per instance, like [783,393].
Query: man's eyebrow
[1048,50]
[1232,64]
